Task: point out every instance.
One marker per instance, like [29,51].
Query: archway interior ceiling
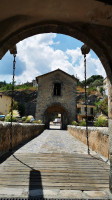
[56,109]
[87,20]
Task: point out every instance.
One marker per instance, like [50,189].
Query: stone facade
[48,103]
[5,102]
[81,113]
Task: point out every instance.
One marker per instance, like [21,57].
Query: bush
[82,123]
[14,118]
[8,118]
[102,106]
[101,121]
[23,118]
[29,118]
[74,123]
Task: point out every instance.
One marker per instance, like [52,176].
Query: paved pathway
[62,167]
[57,141]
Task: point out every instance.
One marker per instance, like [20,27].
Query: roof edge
[72,76]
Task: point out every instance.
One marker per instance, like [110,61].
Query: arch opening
[56,114]
[76,32]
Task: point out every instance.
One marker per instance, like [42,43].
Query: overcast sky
[46,52]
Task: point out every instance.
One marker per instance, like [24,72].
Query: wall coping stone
[103,130]
[21,124]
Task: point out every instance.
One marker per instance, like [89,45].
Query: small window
[91,111]
[57,89]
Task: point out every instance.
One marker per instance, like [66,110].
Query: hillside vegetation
[8,86]
[93,81]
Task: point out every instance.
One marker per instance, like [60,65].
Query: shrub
[74,123]
[29,118]
[101,121]
[14,118]
[39,121]
[8,118]
[82,123]
[101,90]
[23,118]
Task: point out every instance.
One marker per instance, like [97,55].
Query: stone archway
[56,108]
[86,20]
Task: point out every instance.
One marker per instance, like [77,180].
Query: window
[91,111]
[57,89]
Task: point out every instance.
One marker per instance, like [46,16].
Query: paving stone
[71,194]
[95,194]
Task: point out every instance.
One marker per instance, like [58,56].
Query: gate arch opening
[56,108]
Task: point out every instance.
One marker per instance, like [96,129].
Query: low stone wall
[98,137]
[21,133]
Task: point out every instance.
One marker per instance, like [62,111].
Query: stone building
[56,95]
[5,102]
[81,112]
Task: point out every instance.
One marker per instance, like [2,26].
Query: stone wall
[26,98]
[98,138]
[20,133]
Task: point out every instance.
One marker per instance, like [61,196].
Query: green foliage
[28,119]
[82,123]
[15,106]
[38,121]
[14,118]
[8,119]
[94,80]
[101,121]
[91,89]
[2,84]
[102,106]
[96,83]
[23,118]
[21,109]
[8,86]
[74,123]
[101,90]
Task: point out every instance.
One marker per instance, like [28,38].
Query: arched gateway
[54,109]
[87,20]
[56,94]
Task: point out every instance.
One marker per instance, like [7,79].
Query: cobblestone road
[55,141]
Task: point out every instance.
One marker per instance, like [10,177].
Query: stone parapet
[21,133]
[98,138]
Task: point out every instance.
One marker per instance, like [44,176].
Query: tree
[102,106]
